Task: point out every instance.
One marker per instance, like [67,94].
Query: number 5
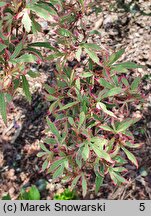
[142,206]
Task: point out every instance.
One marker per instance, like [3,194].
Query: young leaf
[130,156]
[3,107]
[26,90]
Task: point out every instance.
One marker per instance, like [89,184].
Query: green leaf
[26,58]
[58,172]
[26,90]
[81,119]
[36,27]
[106,128]
[112,92]
[56,164]
[49,89]
[119,69]
[44,165]
[84,186]
[122,126]
[41,12]
[130,156]
[71,121]
[64,32]
[7,196]
[26,21]
[101,154]
[68,105]
[119,169]
[86,74]
[129,65]
[49,9]
[17,50]
[102,106]
[117,179]
[85,152]
[119,160]
[41,154]
[115,56]
[98,182]
[42,44]
[2,47]
[53,129]
[131,145]
[92,55]
[43,147]
[91,46]
[3,107]
[54,56]
[2,4]
[34,193]
[105,84]
[135,83]
[78,54]
[75,181]
[33,74]
[125,82]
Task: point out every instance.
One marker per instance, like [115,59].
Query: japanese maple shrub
[89,116]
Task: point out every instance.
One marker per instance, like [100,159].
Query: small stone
[50,187]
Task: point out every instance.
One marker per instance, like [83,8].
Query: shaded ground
[19,141]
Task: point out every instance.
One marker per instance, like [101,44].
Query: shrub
[89,115]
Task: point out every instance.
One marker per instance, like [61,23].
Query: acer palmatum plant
[89,116]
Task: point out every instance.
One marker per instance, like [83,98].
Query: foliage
[31,193]
[89,113]
[66,195]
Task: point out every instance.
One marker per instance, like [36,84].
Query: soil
[19,140]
